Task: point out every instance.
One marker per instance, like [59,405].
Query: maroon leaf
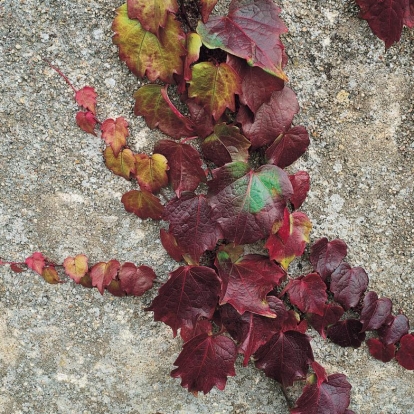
[405,355]
[300,183]
[392,333]
[202,121]
[191,225]
[374,311]
[204,362]
[308,293]
[409,15]
[143,204]
[114,288]
[285,357]
[331,397]
[320,373]
[86,97]
[246,282]
[289,147]
[103,273]
[378,350]
[347,333]
[191,292]
[135,280]
[331,315]
[203,326]
[170,245]
[294,323]
[86,121]
[16,268]
[327,256]
[348,284]
[185,171]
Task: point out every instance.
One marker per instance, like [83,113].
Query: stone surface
[65,349]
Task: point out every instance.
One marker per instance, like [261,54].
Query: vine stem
[55,68]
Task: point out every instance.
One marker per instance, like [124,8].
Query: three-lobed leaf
[143,204]
[151,171]
[114,133]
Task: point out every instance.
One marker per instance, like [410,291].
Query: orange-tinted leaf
[151,172]
[143,204]
[103,273]
[122,165]
[36,262]
[151,14]
[135,280]
[214,86]
[86,97]
[144,53]
[207,7]
[76,267]
[114,133]
[86,121]
[152,102]
[50,275]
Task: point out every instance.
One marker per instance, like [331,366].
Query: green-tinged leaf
[152,102]
[151,172]
[50,275]
[143,204]
[114,133]
[144,53]
[214,86]
[76,267]
[193,53]
[123,164]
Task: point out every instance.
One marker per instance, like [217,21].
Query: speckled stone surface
[65,349]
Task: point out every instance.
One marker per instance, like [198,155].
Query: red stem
[61,74]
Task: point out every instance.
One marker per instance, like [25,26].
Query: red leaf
[320,373]
[405,355]
[114,288]
[206,361]
[286,357]
[86,121]
[347,333]
[102,274]
[170,245]
[185,171]
[308,293]
[327,256]
[135,280]
[202,121]
[385,18]
[207,7]
[392,333]
[203,326]
[378,350]
[36,262]
[348,284]
[289,147]
[191,292]
[114,133]
[409,15]
[331,397]
[331,315]
[246,282]
[15,268]
[143,204]
[191,225]
[375,311]
[301,184]
[250,31]
[86,97]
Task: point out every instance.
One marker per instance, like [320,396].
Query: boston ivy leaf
[391,333]
[226,145]
[320,373]
[201,120]
[76,267]
[151,171]
[185,171]
[301,184]
[348,284]
[153,103]
[86,98]
[203,326]
[114,288]
[374,311]
[191,225]
[331,397]
[405,355]
[86,121]
[143,204]
[327,256]
[16,268]
[331,315]
[207,7]
[114,133]
[247,281]
[191,292]
[103,273]
[50,275]
[170,245]
[193,43]
[308,293]
[214,86]
[408,19]
[284,250]
[285,357]
[246,203]
[347,333]
[250,31]
[204,362]
[144,53]
[151,14]
[273,119]
[289,147]
[385,18]
[123,164]
[378,350]
[36,262]
[135,280]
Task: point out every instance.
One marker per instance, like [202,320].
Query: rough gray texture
[65,349]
